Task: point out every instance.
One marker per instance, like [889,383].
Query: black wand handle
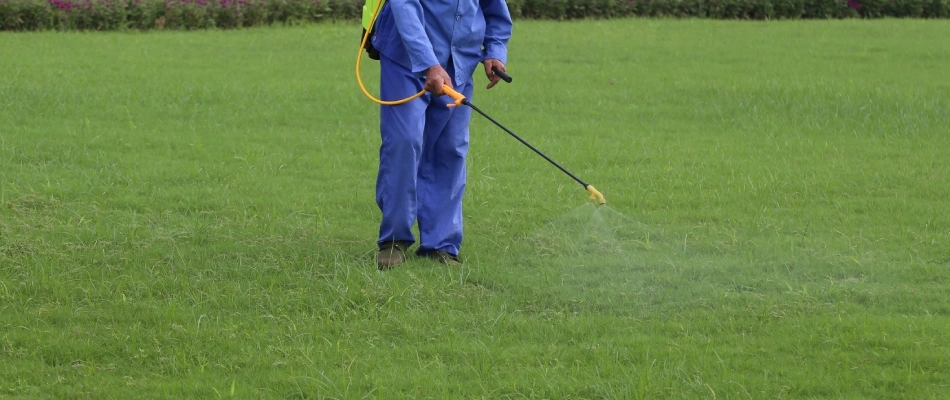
[501,74]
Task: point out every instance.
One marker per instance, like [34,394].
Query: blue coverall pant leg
[421,162]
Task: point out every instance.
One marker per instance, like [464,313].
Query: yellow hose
[359,58]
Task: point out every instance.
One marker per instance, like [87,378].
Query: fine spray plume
[595,259]
[593,256]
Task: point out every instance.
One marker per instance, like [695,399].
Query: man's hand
[435,78]
[489,64]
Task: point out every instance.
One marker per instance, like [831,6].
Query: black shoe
[390,255]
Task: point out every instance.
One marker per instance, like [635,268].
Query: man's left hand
[489,64]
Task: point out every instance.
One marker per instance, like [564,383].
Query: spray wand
[460,99]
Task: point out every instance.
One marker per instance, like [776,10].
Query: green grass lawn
[192,215]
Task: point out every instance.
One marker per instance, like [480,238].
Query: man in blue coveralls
[424,44]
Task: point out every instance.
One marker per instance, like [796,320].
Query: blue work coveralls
[424,143]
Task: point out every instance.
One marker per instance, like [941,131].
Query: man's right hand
[435,78]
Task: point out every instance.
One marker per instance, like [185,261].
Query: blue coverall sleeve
[408,16]
[498,28]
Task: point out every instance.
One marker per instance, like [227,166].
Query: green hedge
[729,9]
[20,15]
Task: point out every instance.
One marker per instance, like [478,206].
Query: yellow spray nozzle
[459,98]
[596,196]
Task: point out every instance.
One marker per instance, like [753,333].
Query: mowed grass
[192,215]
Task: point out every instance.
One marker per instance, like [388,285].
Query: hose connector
[595,195]
[458,97]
